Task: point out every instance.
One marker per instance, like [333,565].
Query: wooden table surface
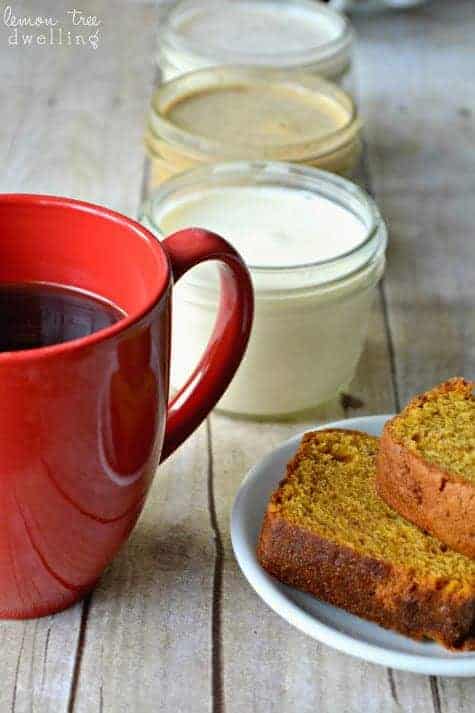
[173,625]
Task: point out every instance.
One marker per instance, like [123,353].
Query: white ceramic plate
[332,626]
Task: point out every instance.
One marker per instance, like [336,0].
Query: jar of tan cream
[291,35]
[315,245]
[236,113]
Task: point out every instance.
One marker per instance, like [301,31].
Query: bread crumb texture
[330,491]
[440,427]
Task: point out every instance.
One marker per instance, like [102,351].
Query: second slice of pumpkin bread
[327,532]
[426,463]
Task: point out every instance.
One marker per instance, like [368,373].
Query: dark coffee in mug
[36,315]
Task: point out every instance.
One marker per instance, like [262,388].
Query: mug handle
[230,336]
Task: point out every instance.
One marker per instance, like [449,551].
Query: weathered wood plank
[419,126]
[147,644]
[36,662]
[148,638]
[71,124]
[294,673]
[420,134]
[78,114]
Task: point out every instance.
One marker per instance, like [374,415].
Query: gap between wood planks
[217,682]
[86,606]
[87,602]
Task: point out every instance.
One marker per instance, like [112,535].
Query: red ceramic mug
[84,424]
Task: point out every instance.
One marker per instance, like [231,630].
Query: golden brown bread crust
[363,585]
[437,501]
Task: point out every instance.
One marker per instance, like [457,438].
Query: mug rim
[156,251]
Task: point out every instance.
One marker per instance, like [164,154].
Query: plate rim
[453,664]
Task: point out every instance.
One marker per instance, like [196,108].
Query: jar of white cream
[315,245]
[278,34]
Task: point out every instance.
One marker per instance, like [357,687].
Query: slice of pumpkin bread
[327,532]
[426,464]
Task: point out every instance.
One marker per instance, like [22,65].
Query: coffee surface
[36,315]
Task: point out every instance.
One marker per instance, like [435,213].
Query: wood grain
[147,644]
[420,127]
[37,662]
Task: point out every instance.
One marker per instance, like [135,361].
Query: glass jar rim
[334,188]
[337,48]
[162,128]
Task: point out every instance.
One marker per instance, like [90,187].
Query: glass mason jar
[238,113]
[315,246]
[288,35]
